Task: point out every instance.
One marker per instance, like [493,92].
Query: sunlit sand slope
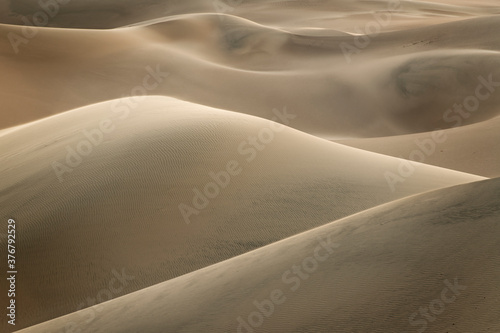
[162,187]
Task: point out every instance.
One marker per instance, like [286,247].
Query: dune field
[250,166]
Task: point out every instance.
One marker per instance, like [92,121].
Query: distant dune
[191,166]
[94,14]
[472,148]
[398,84]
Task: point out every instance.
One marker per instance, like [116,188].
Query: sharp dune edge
[250,166]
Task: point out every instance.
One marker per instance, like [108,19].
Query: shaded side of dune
[428,262]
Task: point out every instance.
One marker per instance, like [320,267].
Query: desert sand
[368,272]
[250,166]
[457,148]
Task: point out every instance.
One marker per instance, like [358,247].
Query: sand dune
[379,269]
[90,14]
[125,172]
[458,148]
[343,14]
[241,66]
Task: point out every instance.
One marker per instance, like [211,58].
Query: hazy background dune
[315,13]
[240,66]
[474,148]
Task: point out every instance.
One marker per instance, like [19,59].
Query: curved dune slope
[424,263]
[474,148]
[398,84]
[161,187]
[91,14]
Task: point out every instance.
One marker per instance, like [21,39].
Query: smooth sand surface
[167,162]
[400,82]
[123,187]
[474,148]
[370,272]
[344,14]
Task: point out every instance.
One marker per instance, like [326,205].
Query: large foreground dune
[171,187]
[410,265]
[249,166]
